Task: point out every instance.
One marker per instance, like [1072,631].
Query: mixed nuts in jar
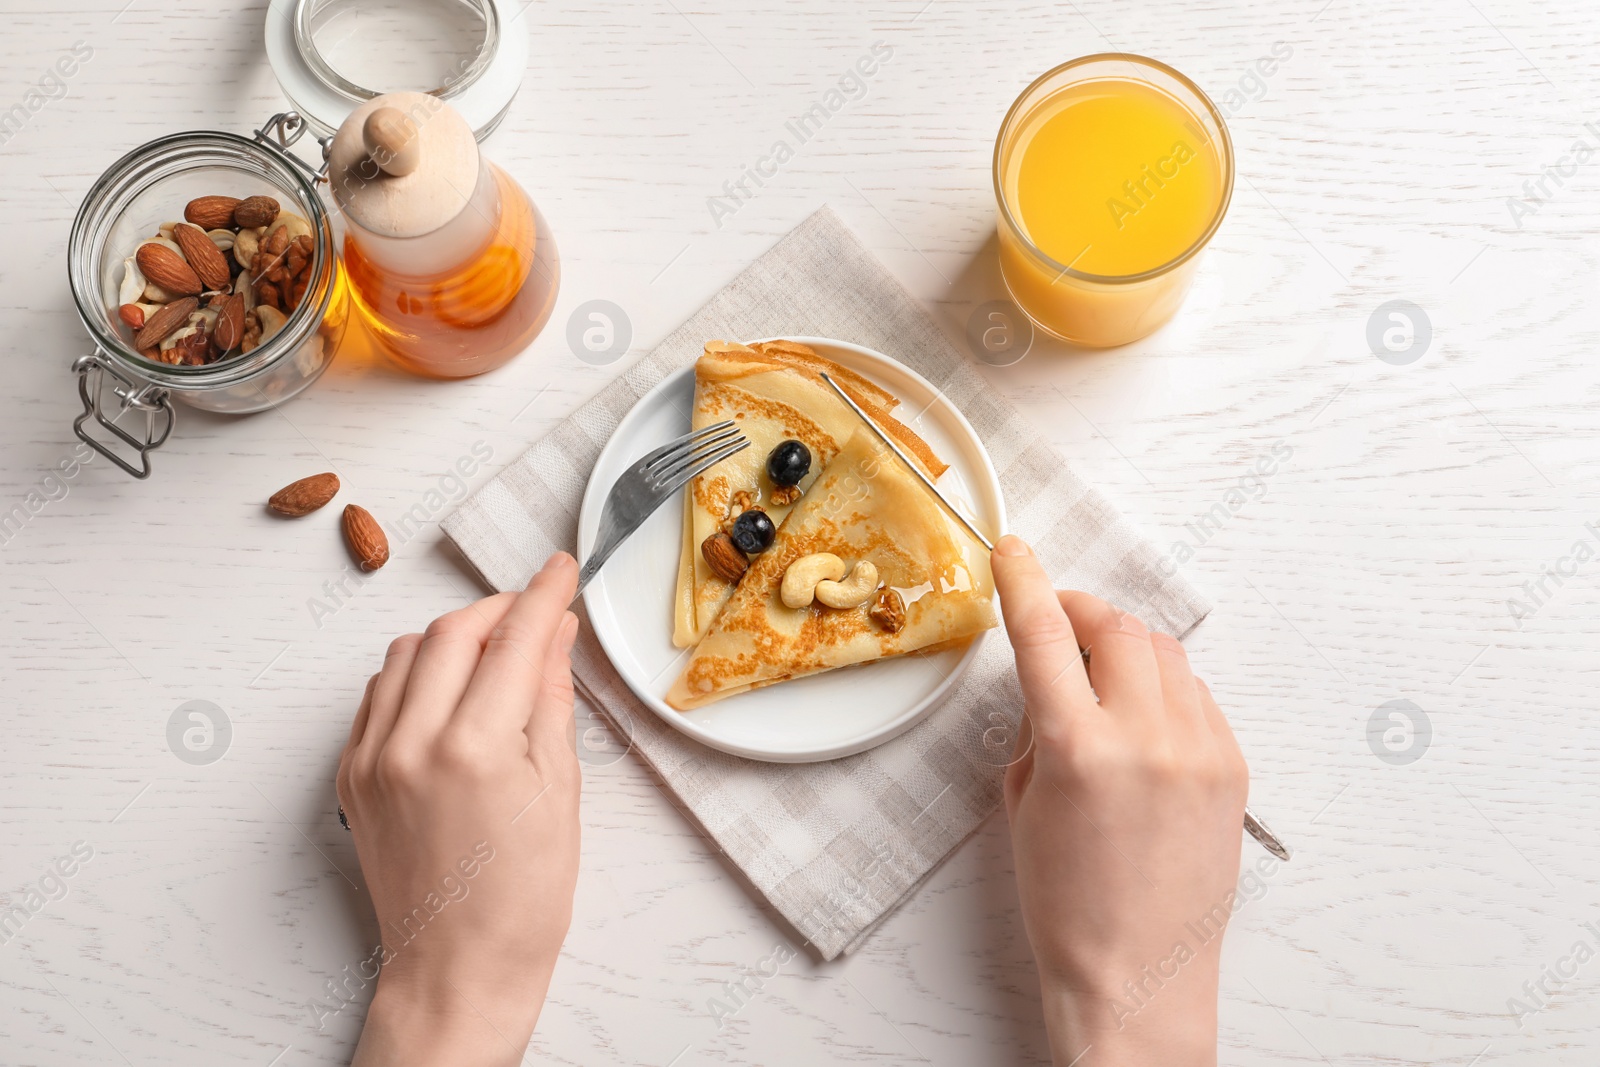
[217,284]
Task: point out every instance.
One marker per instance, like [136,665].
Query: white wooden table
[1378,162]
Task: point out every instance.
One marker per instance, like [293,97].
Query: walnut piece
[889,612]
[741,502]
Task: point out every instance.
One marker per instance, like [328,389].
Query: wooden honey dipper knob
[390,138]
[403,165]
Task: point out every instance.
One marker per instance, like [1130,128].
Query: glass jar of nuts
[204,266]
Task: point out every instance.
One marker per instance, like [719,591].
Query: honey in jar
[450,264]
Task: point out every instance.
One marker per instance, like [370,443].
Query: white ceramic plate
[824,716]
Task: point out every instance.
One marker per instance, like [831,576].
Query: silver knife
[923,478]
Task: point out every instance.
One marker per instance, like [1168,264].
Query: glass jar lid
[330,56]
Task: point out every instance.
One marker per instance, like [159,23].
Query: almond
[305,496]
[158,326]
[365,537]
[211,212]
[230,325]
[255,211]
[167,269]
[204,257]
[132,314]
[724,558]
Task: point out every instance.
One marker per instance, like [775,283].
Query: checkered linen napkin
[834,846]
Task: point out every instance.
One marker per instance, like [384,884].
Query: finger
[1020,771]
[358,725]
[551,720]
[1217,720]
[1180,695]
[386,695]
[511,675]
[1122,662]
[450,651]
[1238,768]
[1039,631]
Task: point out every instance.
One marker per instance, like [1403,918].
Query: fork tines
[691,455]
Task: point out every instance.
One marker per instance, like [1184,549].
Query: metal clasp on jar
[132,395]
[281,131]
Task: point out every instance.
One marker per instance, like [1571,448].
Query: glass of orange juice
[1112,172]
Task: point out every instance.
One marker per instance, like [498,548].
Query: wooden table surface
[1423,535]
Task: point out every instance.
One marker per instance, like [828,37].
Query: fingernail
[1012,545]
[559,561]
[569,632]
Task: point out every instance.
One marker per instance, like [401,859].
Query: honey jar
[450,265]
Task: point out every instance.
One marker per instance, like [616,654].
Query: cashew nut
[242,287]
[133,282]
[246,243]
[800,580]
[293,224]
[271,320]
[223,239]
[165,242]
[309,354]
[854,590]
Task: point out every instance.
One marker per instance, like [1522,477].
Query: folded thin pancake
[774,391]
[865,506]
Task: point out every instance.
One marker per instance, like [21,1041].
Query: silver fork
[647,484]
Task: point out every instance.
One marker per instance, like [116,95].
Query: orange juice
[1112,172]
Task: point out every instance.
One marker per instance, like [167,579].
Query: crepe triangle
[774,392]
[864,505]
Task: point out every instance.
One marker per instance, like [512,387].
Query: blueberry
[788,463]
[752,532]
